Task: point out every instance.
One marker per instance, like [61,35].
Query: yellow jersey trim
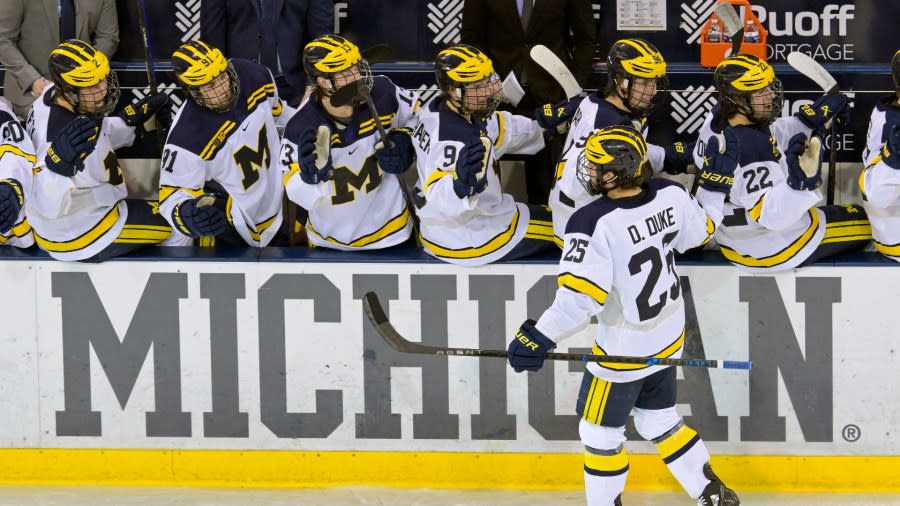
[396,224]
[782,256]
[498,241]
[666,352]
[84,240]
[582,285]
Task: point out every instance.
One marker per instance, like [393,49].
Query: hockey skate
[716,493]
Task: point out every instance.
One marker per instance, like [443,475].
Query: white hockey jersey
[884,116]
[361,207]
[237,149]
[480,229]
[767,226]
[16,163]
[567,193]
[76,217]
[880,186]
[618,261]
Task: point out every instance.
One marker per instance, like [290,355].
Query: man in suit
[270,32]
[506,30]
[30,29]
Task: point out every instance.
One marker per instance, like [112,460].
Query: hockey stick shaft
[378,318]
[151,65]
[815,72]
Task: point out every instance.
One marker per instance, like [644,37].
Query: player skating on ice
[618,264]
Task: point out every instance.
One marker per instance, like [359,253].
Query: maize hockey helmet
[748,85]
[466,77]
[207,77]
[895,70]
[83,78]
[617,149]
[637,72]
[338,61]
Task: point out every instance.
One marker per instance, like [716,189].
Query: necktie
[268,50]
[66,20]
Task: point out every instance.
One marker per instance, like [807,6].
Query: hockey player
[77,205]
[16,162]
[885,115]
[351,185]
[220,175]
[618,261]
[771,222]
[466,219]
[637,74]
[880,180]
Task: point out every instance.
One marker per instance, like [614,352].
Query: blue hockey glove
[308,159]
[890,153]
[469,166]
[717,174]
[678,156]
[529,348]
[137,114]
[397,158]
[824,110]
[195,220]
[550,116]
[11,201]
[804,162]
[72,144]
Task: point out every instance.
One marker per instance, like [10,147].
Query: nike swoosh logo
[353,150]
[245,128]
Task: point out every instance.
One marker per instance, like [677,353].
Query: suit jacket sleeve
[214,24]
[320,20]
[106,37]
[10,56]
[473,24]
[584,31]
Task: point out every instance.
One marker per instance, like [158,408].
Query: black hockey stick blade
[344,96]
[377,317]
[378,53]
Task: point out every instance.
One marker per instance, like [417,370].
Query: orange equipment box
[712,53]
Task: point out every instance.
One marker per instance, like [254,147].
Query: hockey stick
[345,96]
[734,26]
[548,61]
[377,317]
[151,66]
[814,71]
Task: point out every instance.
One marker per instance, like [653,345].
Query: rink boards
[260,370]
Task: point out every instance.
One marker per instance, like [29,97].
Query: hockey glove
[551,116]
[72,144]
[11,200]
[890,153]
[195,220]
[314,156]
[804,162]
[528,349]
[397,158]
[135,115]
[471,174]
[824,110]
[719,165]
[679,156]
